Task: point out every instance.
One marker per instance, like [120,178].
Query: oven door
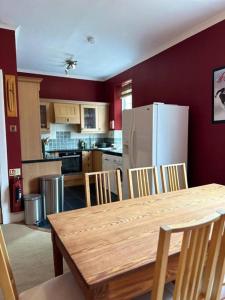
[71,164]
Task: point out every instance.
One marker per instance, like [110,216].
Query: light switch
[13,128]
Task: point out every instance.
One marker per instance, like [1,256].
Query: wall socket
[15,172]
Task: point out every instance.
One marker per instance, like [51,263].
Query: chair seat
[59,288]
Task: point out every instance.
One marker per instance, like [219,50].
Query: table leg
[57,256]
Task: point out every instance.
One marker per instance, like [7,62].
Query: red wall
[183,75]
[8,65]
[69,88]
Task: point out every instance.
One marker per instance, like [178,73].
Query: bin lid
[31,197]
[52,177]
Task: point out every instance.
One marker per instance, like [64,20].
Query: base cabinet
[33,171]
[96,160]
[87,165]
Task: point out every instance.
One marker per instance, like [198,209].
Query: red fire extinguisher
[17,189]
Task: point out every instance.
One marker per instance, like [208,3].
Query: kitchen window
[126,95]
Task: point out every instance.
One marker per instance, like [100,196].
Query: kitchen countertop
[111,151]
[41,160]
[108,150]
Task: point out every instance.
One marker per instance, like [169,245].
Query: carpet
[30,253]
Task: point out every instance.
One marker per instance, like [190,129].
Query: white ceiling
[125,31]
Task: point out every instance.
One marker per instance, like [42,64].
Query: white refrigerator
[154,135]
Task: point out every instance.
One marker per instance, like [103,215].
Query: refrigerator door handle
[132,150]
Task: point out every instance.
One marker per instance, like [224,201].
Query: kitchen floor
[74,197]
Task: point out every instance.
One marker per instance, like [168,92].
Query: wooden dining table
[111,248]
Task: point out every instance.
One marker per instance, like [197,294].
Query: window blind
[126,88]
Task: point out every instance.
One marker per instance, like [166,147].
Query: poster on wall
[218,100]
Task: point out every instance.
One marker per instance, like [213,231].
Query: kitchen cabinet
[103,118]
[89,118]
[46,115]
[94,118]
[112,162]
[97,160]
[67,113]
[87,165]
[33,171]
[29,113]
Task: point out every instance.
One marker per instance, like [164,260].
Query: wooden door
[97,160]
[29,112]
[67,113]
[89,118]
[87,161]
[103,118]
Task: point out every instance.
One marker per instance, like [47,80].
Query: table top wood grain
[108,240]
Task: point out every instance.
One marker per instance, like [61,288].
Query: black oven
[71,162]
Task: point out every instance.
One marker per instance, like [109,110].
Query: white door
[4,181]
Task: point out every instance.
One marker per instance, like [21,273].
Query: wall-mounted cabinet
[67,113]
[46,115]
[94,118]
[103,118]
[89,118]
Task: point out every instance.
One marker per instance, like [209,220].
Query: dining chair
[143,181]
[59,288]
[103,181]
[174,177]
[201,263]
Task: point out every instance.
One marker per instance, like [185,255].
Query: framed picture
[218,95]
[11,102]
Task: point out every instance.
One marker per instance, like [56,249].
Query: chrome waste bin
[52,191]
[33,209]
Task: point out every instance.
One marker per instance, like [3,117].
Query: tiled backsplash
[65,137]
[64,141]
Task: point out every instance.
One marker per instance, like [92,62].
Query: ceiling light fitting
[70,64]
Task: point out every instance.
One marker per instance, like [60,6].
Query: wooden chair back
[7,282]
[201,261]
[174,177]
[102,182]
[144,181]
